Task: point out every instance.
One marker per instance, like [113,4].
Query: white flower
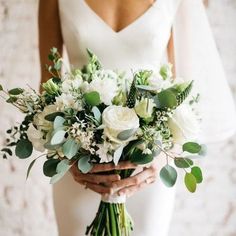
[105,83]
[184,124]
[71,84]
[144,107]
[157,82]
[67,101]
[117,119]
[36,138]
[39,119]
[102,152]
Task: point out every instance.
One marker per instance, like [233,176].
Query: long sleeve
[197,59]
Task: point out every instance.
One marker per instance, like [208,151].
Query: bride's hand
[130,185]
[101,183]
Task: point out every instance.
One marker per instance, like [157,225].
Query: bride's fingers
[123,165]
[97,179]
[129,191]
[136,179]
[99,188]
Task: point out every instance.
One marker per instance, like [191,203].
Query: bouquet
[93,115]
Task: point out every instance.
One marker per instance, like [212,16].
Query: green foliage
[1,87]
[143,76]
[196,171]
[139,158]
[117,154]
[16,91]
[126,134]
[131,98]
[51,117]
[167,99]
[50,166]
[191,147]
[11,99]
[92,98]
[84,164]
[70,148]
[185,90]
[58,137]
[97,114]
[24,148]
[30,167]
[183,162]
[190,182]
[168,175]
[58,122]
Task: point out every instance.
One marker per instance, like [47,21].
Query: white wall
[26,207]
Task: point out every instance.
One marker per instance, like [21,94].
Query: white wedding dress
[142,44]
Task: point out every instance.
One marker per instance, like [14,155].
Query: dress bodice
[137,45]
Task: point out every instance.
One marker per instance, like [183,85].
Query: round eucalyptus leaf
[24,148]
[58,137]
[168,175]
[58,122]
[97,114]
[84,165]
[50,166]
[70,148]
[192,147]
[124,135]
[16,91]
[92,98]
[139,158]
[167,98]
[183,162]
[190,182]
[196,171]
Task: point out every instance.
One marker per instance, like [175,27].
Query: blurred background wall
[26,207]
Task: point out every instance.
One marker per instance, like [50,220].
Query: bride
[131,34]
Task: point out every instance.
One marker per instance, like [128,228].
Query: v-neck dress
[143,44]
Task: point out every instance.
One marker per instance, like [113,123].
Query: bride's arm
[49,33]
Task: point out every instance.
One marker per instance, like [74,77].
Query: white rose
[105,83]
[144,107]
[184,124]
[67,101]
[70,84]
[39,119]
[157,82]
[36,138]
[117,119]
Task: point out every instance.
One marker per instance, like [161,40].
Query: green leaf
[92,98]
[117,154]
[84,165]
[15,91]
[191,147]
[168,175]
[167,98]
[24,148]
[11,99]
[7,150]
[51,117]
[183,162]
[62,167]
[1,88]
[124,135]
[190,182]
[196,171]
[50,166]
[58,122]
[30,167]
[70,148]
[58,137]
[97,114]
[139,158]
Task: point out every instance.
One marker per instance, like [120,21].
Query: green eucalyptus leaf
[139,158]
[183,162]
[84,164]
[92,98]
[167,99]
[58,137]
[117,155]
[97,114]
[168,175]
[1,87]
[126,134]
[196,171]
[51,117]
[190,182]
[70,148]
[58,122]
[16,91]
[50,166]
[191,147]
[24,149]
[11,99]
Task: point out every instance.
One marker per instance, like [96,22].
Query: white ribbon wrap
[114,198]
